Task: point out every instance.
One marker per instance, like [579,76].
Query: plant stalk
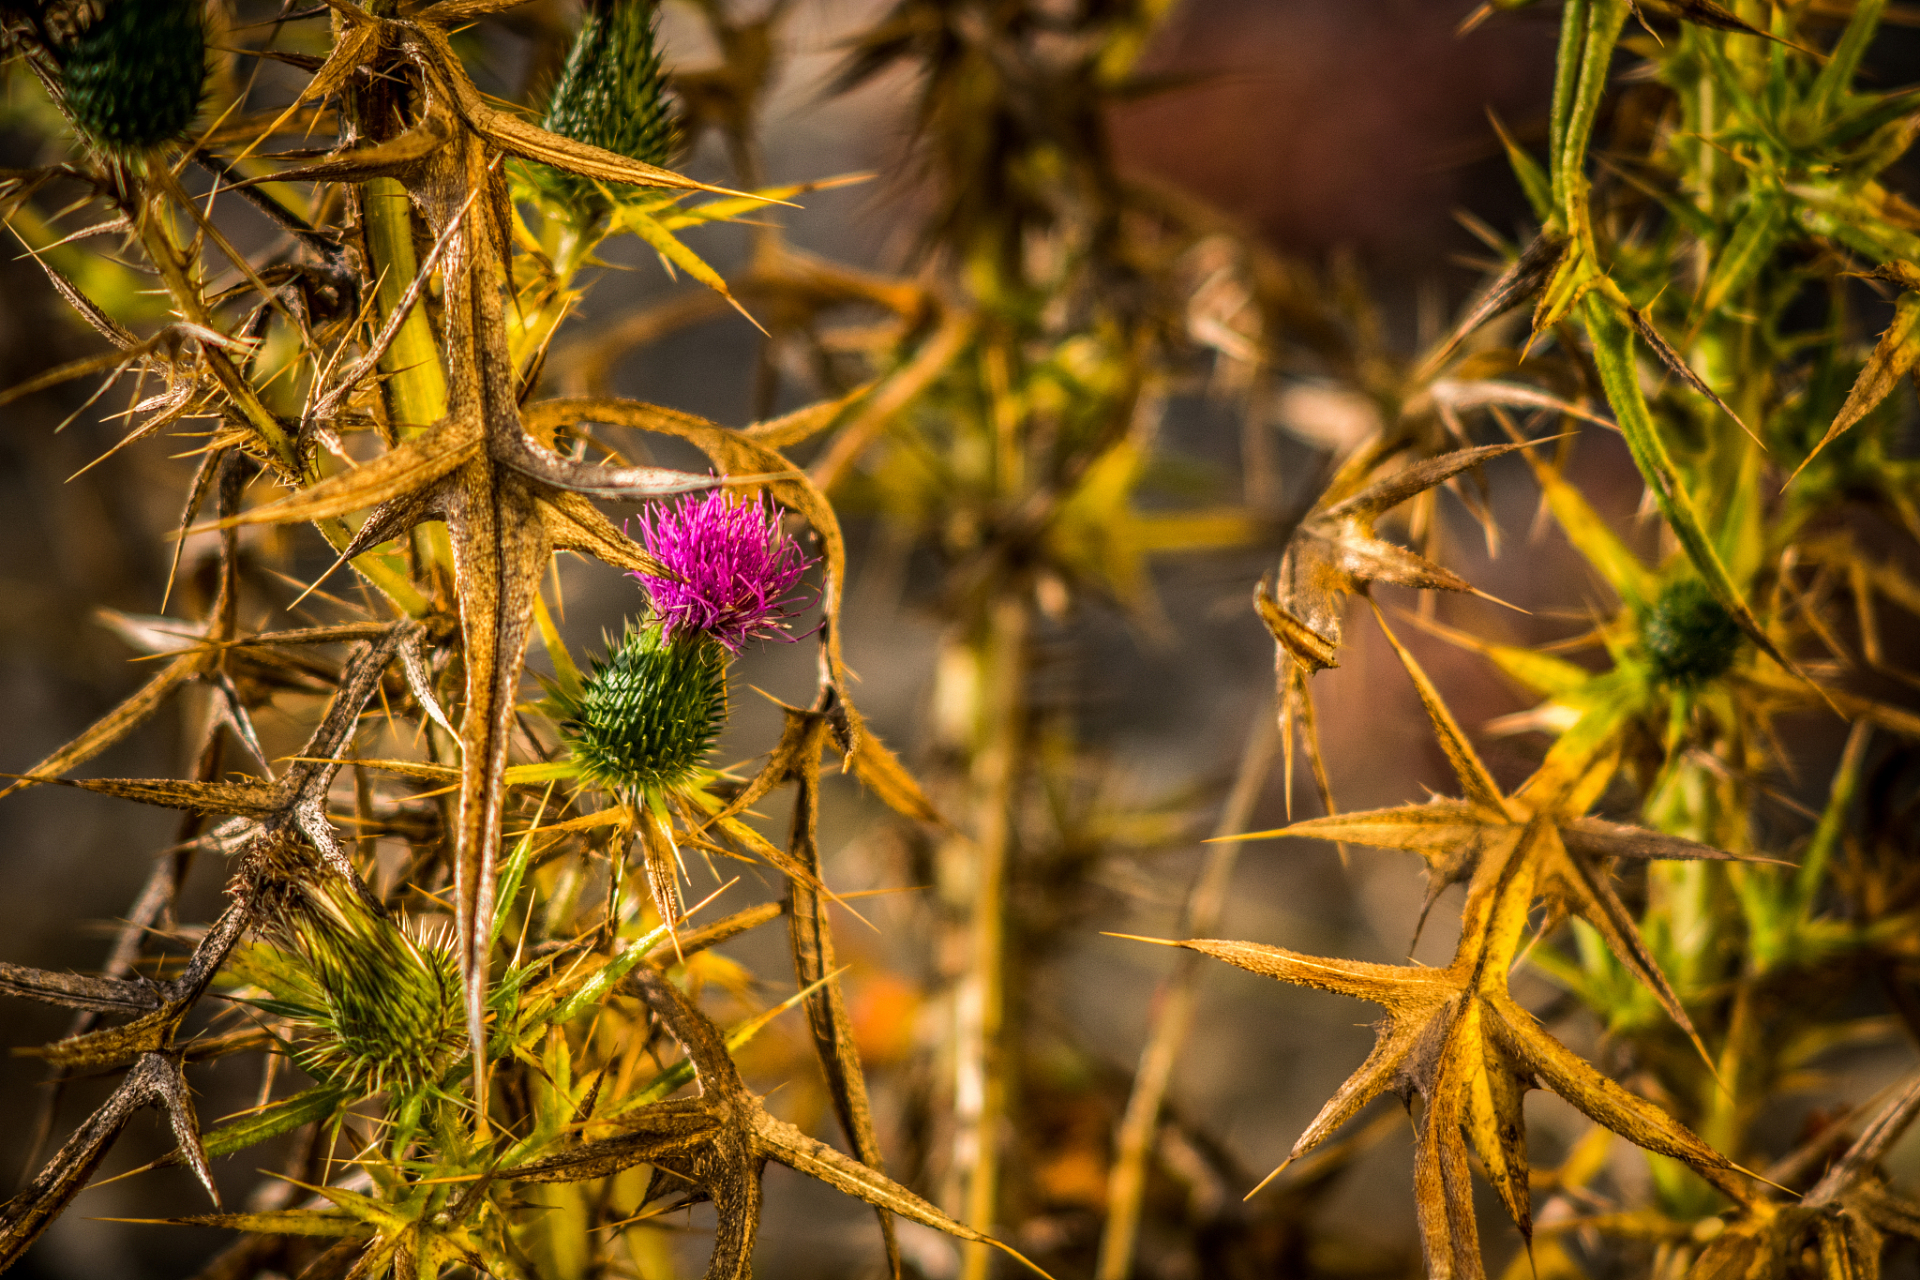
[980,1057]
[1173,1005]
[412,378]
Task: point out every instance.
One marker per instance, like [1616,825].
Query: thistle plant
[377,1002]
[491,1056]
[646,716]
[366,380]
[1753,134]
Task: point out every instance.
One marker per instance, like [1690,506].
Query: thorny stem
[186,296]
[1173,1006]
[413,381]
[998,665]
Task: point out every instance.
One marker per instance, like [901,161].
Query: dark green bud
[650,711]
[1689,636]
[388,1008]
[133,79]
[613,93]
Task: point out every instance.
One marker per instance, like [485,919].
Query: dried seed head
[613,93]
[1689,636]
[389,998]
[734,569]
[648,714]
[133,78]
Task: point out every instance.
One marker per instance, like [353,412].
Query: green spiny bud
[387,1016]
[613,92]
[650,711]
[1689,636]
[133,78]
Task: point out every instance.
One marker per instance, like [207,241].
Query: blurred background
[1351,137]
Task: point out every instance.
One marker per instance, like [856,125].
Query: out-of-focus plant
[499,1028]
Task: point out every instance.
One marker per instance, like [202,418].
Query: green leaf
[1613,355]
[277,1118]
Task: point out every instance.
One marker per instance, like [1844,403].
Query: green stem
[414,382]
[1604,20]
[1837,76]
[1619,378]
[1566,70]
[981,1060]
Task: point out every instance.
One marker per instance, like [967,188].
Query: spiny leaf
[669,247]
[110,728]
[153,1081]
[1334,552]
[431,50]
[1643,325]
[1521,279]
[1895,354]
[283,1222]
[1475,781]
[406,468]
[869,760]
[245,798]
[78,991]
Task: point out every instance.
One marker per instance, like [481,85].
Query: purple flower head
[734,568]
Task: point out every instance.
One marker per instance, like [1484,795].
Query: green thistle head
[650,711]
[133,79]
[384,1010]
[1689,637]
[612,94]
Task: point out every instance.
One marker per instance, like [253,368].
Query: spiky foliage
[377,1001]
[435,445]
[647,714]
[1722,977]
[513,1106]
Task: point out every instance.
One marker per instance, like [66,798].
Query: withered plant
[457,927]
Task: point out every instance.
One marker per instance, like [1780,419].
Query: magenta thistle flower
[733,567]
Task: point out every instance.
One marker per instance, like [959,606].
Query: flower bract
[649,712]
[133,79]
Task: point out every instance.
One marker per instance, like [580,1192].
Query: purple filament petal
[734,568]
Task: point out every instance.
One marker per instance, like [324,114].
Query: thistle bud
[648,714]
[133,78]
[387,1000]
[1689,636]
[613,92]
